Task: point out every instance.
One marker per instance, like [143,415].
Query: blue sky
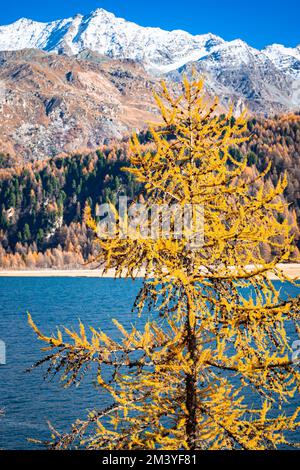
[259,22]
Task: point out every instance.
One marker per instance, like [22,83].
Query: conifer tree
[213,366]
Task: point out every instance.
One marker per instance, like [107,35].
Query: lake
[29,401]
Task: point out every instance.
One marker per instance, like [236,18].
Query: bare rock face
[247,78]
[52,103]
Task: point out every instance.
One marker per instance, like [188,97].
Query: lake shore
[292,270]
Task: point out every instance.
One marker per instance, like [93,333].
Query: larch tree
[213,367]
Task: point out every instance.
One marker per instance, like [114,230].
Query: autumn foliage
[212,368]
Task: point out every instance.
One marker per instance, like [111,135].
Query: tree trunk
[191,389]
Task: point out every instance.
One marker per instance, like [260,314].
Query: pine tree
[212,368]
[26,233]
[40,236]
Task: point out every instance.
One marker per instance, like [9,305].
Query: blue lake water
[29,401]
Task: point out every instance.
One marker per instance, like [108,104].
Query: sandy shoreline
[291,270]
[90,273]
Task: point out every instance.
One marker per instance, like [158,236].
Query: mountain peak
[102,32]
[23,21]
[102,13]
[159,50]
[83,99]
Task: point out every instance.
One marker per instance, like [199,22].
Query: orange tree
[212,368]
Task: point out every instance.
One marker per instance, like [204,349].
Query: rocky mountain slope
[239,74]
[52,103]
[73,83]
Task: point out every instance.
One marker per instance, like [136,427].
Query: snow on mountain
[246,77]
[234,54]
[268,79]
[161,51]
[286,59]
[61,90]
[106,34]
[276,51]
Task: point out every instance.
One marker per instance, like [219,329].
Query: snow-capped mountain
[70,78]
[286,59]
[106,34]
[160,50]
[270,77]
[264,81]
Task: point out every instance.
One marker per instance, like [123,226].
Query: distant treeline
[42,206]
[42,202]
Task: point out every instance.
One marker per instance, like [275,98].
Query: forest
[42,203]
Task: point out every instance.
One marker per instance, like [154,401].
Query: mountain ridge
[73,34]
[52,104]
[76,82]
